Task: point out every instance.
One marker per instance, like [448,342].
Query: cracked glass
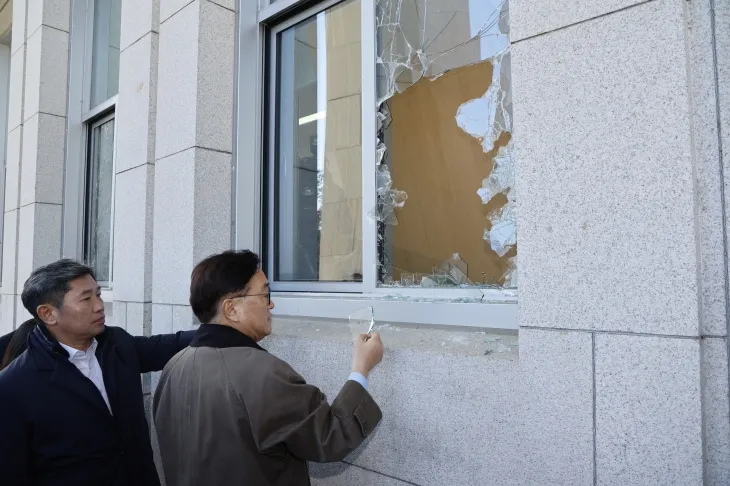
[445,204]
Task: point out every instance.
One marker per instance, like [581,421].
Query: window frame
[497,308]
[272,201]
[81,118]
[92,124]
[4,106]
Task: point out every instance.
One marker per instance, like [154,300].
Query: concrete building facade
[372,152]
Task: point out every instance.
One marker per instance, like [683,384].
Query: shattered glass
[388,199]
[429,52]
[362,321]
[427,38]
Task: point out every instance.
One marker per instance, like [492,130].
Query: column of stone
[36,140]
[609,226]
[135,144]
[192,189]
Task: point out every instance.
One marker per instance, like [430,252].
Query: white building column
[135,145]
[36,140]
[636,260]
[192,174]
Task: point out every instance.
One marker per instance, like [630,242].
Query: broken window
[445,209]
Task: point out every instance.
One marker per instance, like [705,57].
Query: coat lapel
[110,373]
[67,376]
[49,355]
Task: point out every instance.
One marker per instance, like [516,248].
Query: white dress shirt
[88,365]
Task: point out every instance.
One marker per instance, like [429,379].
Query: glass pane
[101,173]
[105,50]
[445,201]
[318,173]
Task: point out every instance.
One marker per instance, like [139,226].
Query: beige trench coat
[229,413]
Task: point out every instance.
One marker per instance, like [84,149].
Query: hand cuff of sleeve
[358,377]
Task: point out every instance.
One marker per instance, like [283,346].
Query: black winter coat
[55,428]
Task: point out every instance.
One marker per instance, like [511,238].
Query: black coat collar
[47,341]
[220,336]
[41,337]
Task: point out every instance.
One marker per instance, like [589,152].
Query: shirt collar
[76,353]
[47,340]
[220,336]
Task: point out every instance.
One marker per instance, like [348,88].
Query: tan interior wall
[341,233]
[6,18]
[441,167]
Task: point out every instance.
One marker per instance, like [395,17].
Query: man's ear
[228,308]
[47,314]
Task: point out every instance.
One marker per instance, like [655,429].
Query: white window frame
[81,117]
[91,124]
[256,27]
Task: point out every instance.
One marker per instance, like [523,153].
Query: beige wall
[440,167]
[6,17]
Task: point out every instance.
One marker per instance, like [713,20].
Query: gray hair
[50,284]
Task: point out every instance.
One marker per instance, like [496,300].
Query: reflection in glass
[317,158]
[99,205]
[105,50]
[445,204]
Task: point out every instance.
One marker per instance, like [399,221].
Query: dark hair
[50,284]
[18,343]
[218,276]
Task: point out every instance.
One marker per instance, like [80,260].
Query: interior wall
[441,167]
[341,220]
[6,20]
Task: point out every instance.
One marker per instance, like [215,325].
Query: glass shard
[362,321]
[388,199]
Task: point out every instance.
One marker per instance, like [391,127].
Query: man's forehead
[84,284]
[259,281]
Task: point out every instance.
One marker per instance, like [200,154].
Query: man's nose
[99,304]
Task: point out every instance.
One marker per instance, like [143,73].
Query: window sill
[495,312]
[443,340]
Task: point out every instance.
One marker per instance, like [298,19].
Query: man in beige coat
[229,413]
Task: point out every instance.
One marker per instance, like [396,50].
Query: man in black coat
[71,406]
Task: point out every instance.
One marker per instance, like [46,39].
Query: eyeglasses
[267,295]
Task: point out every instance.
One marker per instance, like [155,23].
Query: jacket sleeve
[303,421]
[15,442]
[154,352]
